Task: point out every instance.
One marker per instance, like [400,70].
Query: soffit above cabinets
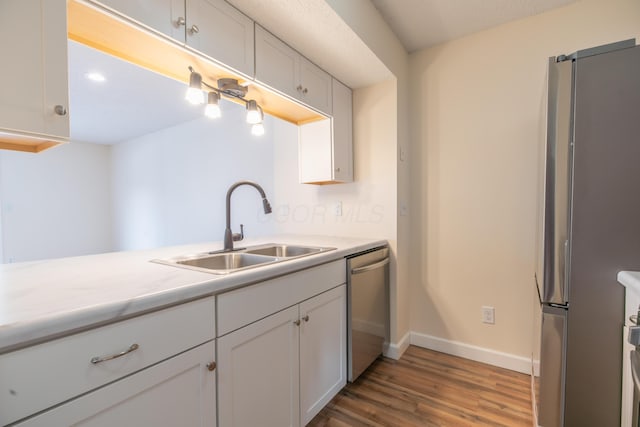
[313,28]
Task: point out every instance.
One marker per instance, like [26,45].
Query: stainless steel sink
[254,256]
[227,261]
[285,251]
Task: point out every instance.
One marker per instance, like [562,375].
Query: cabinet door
[33,75]
[277,65]
[342,132]
[325,147]
[315,162]
[223,33]
[177,392]
[258,373]
[315,86]
[166,16]
[323,353]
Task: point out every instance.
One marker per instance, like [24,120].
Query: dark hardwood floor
[428,388]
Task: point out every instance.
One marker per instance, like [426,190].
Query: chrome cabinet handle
[99,359]
[211,366]
[304,91]
[296,322]
[181,21]
[60,110]
[306,318]
[194,29]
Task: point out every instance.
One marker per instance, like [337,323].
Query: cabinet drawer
[176,392]
[40,376]
[251,303]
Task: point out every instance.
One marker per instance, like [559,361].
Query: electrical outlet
[338,209]
[488,315]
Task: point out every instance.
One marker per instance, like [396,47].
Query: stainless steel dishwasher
[367,308]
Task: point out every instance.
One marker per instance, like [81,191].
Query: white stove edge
[631,281]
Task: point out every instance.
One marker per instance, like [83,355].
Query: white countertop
[630,279]
[41,300]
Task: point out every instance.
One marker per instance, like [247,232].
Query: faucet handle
[238,236]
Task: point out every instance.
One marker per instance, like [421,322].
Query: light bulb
[194,94]
[254,115]
[257,129]
[212,110]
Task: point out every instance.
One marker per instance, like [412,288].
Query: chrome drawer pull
[98,359]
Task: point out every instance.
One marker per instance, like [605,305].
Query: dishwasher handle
[370,266]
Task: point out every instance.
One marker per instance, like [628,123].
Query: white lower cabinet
[177,392]
[157,369]
[323,352]
[281,370]
[258,373]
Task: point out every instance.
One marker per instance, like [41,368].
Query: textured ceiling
[423,23]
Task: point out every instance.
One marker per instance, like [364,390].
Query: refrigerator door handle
[567,271]
[558,184]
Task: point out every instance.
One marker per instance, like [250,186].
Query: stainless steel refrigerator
[589,229]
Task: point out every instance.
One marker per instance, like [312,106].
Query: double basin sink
[219,262]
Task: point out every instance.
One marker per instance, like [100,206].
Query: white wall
[477,121]
[368,203]
[55,203]
[169,187]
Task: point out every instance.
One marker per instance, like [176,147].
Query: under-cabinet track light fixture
[228,88]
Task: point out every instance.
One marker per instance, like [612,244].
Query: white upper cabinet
[314,86]
[165,16]
[34,94]
[325,147]
[220,31]
[213,28]
[283,69]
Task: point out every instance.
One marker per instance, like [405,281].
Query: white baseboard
[472,352]
[396,350]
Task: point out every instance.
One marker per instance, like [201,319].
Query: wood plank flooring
[428,388]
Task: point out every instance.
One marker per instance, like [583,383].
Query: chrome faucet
[229,236]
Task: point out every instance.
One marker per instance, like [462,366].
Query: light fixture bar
[226,87]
